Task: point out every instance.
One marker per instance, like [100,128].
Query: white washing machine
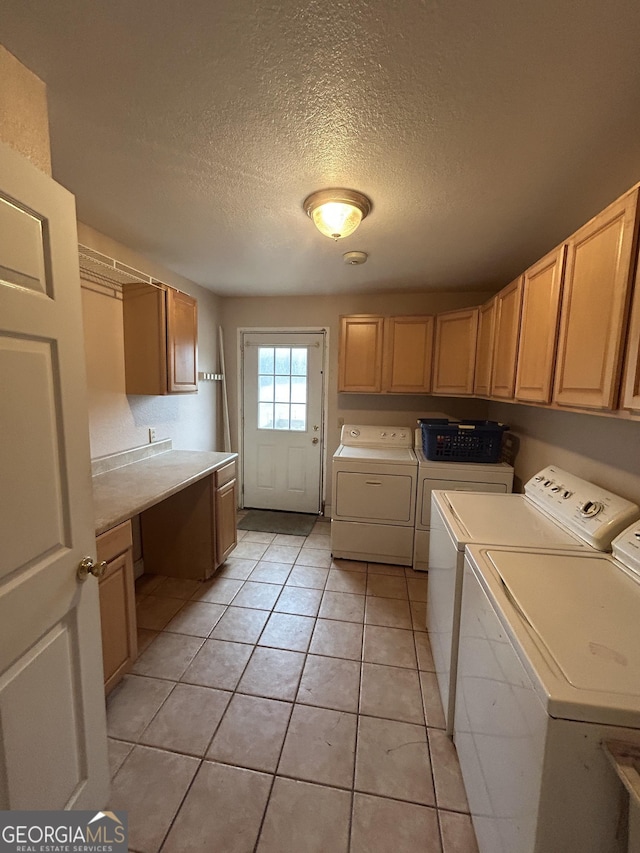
[549,669]
[374,494]
[453,476]
[557,511]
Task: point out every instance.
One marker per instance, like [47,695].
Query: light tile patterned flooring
[288,705]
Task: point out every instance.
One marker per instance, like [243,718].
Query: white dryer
[452,476]
[557,511]
[549,669]
[374,494]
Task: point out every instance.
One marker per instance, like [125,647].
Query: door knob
[87,567]
[315,440]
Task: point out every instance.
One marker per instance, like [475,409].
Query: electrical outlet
[152,435]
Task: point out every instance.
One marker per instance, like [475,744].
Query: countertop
[123,492]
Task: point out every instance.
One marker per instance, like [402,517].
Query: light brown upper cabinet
[160,340]
[484,349]
[505,340]
[360,358]
[408,353]
[631,379]
[542,289]
[385,354]
[600,265]
[455,352]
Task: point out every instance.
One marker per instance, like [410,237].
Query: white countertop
[123,492]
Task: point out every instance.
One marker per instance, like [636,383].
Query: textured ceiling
[484,133]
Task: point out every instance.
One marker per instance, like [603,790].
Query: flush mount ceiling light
[337,212]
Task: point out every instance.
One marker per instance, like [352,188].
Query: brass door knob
[87,567]
[315,440]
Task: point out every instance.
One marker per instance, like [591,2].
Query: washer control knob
[637,534]
[547,483]
[556,488]
[566,494]
[383,435]
[589,509]
[538,478]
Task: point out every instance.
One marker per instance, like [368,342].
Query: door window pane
[265,386]
[265,415]
[281,416]
[283,360]
[283,393]
[299,361]
[298,389]
[282,388]
[298,417]
[265,359]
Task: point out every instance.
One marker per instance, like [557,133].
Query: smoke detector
[354,258]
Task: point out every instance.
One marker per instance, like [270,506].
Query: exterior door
[52,715]
[282,420]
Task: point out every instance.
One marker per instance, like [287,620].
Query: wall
[24,117]
[118,422]
[324,312]
[601,449]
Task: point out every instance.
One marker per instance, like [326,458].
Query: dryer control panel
[591,512]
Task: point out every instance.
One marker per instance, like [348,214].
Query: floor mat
[270,521]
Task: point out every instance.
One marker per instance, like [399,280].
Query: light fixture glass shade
[337,219]
[337,213]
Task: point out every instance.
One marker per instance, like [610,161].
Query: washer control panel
[591,512]
[376,436]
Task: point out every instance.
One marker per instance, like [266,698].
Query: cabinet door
[484,349]
[600,259]
[117,604]
[505,344]
[225,520]
[408,352]
[455,352]
[631,381]
[182,342]
[145,339]
[542,289]
[360,357]
[118,620]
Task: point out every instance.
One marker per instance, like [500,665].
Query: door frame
[244,331]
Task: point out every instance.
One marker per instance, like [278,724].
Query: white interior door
[282,420]
[52,713]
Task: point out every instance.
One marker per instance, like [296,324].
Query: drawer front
[225,474]
[375,497]
[114,541]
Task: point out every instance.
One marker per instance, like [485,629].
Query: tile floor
[288,705]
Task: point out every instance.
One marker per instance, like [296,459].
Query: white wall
[601,449]
[117,421]
[24,116]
